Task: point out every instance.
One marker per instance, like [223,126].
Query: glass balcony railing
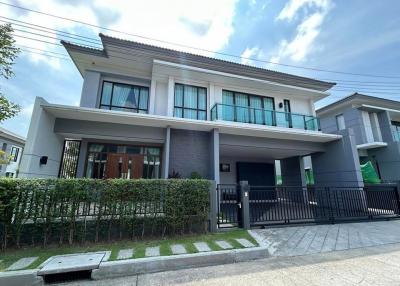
[396,136]
[245,114]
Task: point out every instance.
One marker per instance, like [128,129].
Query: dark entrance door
[125,166]
[257,174]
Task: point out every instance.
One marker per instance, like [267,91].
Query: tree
[8,54]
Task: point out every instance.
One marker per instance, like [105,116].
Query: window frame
[15,158]
[248,98]
[107,144]
[190,108]
[127,109]
[337,122]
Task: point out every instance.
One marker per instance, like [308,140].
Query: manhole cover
[72,263]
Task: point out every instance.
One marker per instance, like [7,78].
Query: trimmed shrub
[43,211]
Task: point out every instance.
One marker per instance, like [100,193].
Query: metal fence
[269,205]
[69,160]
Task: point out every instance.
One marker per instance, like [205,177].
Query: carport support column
[213,207]
[80,172]
[245,205]
[339,165]
[165,165]
[215,155]
[292,171]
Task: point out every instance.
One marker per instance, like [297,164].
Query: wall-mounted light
[280,105]
[43,160]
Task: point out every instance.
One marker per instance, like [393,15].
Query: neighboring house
[148,112]
[12,144]
[376,125]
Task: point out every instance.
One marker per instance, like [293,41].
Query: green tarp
[369,174]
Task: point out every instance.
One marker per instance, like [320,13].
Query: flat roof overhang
[371,145]
[226,127]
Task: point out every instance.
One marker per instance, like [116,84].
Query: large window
[123,161]
[243,107]
[190,102]
[124,97]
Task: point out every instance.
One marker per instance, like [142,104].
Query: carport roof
[226,127]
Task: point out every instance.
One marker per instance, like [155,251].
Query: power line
[194,48]
[136,53]
[339,88]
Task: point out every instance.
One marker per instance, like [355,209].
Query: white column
[211,99]
[215,155]
[165,167]
[152,98]
[170,101]
[90,89]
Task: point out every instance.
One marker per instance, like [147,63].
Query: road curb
[21,278]
[112,269]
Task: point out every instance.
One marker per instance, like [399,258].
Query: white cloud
[164,20]
[248,53]
[307,31]
[27,110]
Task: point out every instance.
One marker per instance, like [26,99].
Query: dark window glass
[124,97]
[14,154]
[190,102]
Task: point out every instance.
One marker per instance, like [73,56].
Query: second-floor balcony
[253,115]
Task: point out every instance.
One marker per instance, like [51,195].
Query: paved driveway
[301,240]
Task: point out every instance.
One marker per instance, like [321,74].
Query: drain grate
[67,276]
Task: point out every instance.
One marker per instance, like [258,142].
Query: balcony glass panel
[255,115]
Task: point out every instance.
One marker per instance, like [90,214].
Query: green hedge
[43,211]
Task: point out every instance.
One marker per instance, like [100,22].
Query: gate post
[397,194]
[213,206]
[244,198]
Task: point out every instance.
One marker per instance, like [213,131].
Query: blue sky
[355,36]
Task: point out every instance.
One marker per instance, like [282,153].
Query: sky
[358,41]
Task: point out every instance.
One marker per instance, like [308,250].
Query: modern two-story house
[152,112]
[13,145]
[376,125]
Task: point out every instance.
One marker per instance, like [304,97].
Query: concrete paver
[244,242]
[309,239]
[22,263]
[178,249]
[125,254]
[224,244]
[152,251]
[202,246]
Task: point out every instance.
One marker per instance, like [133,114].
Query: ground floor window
[106,161]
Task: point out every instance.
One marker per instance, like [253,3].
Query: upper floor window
[124,97]
[243,107]
[340,122]
[14,154]
[190,102]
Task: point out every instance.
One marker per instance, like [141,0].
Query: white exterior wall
[41,141]
[161,89]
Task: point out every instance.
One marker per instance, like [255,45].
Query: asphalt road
[376,265]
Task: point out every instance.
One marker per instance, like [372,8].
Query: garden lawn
[10,256]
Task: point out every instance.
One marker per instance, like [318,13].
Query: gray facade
[191,151]
[375,141]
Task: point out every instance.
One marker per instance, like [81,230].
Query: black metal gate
[270,205]
[284,205]
[229,206]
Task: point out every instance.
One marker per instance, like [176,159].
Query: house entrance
[124,166]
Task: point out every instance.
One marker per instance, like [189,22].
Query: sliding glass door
[247,108]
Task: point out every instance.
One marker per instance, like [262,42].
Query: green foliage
[4,158]
[195,175]
[41,211]
[8,54]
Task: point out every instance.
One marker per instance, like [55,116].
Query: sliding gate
[269,205]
